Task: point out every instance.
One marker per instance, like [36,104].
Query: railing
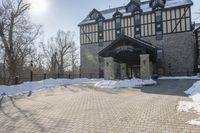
[39,77]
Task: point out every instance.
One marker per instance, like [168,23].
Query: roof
[108,14]
[134,41]
[196,26]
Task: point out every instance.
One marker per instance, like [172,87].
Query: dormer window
[131,8]
[117,16]
[95,15]
[133,5]
[157,3]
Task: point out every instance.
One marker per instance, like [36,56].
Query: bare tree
[74,58]
[60,51]
[17,34]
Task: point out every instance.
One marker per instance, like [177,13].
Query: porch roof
[127,50]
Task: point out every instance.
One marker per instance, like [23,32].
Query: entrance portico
[134,55]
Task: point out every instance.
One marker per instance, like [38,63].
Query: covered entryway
[132,54]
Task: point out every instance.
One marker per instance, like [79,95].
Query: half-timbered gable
[143,19]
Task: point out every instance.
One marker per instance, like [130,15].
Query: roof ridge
[143,2]
[108,13]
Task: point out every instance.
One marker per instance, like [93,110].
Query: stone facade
[90,64]
[109,68]
[123,71]
[178,52]
[145,66]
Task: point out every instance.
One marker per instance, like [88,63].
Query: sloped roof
[108,14]
[196,26]
[134,41]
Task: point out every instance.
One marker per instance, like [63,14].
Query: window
[137,35]
[137,19]
[118,23]
[158,27]
[118,26]
[131,8]
[100,28]
[100,42]
[159,35]
[158,16]
[94,15]
[159,54]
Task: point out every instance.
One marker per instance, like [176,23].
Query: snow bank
[30,86]
[180,77]
[194,122]
[124,83]
[194,93]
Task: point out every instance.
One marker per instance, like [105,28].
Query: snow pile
[44,84]
[181,77]
[124,83]
[194,93]
[30,86]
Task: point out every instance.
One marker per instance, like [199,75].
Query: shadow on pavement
[169,87]
[163,87]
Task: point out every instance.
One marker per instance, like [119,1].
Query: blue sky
[66,14]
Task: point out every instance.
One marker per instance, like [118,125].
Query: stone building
[138,40]
[197,42]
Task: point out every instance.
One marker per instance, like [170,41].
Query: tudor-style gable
[95,14]
[157,3]
[117,14]
[107,25]
[133,5]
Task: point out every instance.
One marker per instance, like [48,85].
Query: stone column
[109,71]
[145,66]
[151,68]
[123,71]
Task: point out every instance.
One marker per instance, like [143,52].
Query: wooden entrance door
[133,71]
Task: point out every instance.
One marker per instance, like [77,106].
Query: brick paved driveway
[88,109]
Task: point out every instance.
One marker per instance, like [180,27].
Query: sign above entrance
[124,48]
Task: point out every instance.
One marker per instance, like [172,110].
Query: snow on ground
[30,86]
[124,83]
[180,77]
[194,93]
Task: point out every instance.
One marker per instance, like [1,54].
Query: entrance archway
[126,50]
